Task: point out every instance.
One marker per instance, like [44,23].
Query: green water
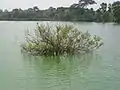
[97,71]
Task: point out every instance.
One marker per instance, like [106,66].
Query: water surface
[97,71]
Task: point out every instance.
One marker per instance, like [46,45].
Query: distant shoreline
[77,12]
[42,19]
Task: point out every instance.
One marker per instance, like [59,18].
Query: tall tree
[35,8]
[116,11]
[83,3]
[110,11]
[103,9]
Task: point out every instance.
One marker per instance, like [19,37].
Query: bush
[59,40]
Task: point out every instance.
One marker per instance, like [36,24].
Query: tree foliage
[116,11]
[75,12]
[83,3]
[59,40]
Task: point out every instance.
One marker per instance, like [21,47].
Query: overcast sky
[42,4]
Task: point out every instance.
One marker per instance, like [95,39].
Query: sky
[42,4]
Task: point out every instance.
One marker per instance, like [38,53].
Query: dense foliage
[116,11]
[75,12]
[59,40]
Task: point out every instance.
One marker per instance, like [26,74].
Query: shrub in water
[59,40]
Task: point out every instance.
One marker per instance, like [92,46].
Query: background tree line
[75,12]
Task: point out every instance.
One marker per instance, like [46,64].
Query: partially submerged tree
[59,40]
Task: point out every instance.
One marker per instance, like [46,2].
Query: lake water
[97,71]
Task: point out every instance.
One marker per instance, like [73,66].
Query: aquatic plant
[59,40]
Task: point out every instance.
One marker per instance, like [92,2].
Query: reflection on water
[57,72]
